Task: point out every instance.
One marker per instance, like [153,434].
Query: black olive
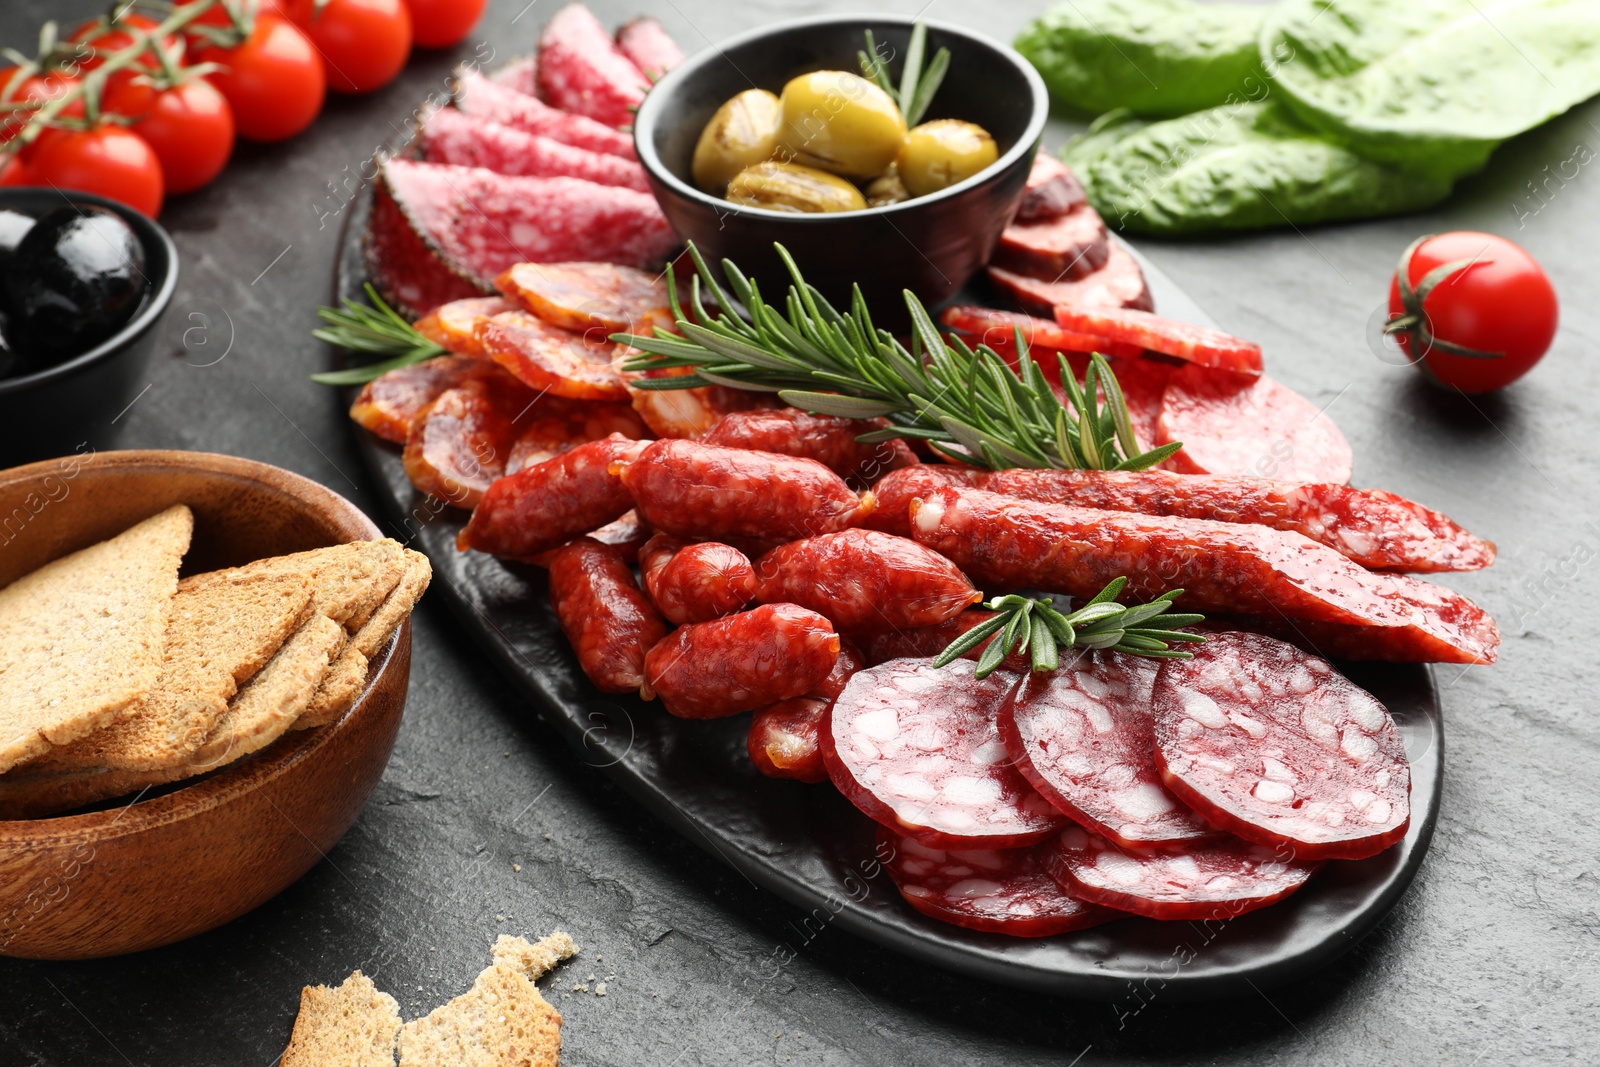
[75,279]
[14,225]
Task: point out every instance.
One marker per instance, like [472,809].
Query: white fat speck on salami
[1000,891]
[918,749]
[1195,880]
[1082,735]
[1274,745]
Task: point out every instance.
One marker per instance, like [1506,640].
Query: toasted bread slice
[535,960]
[354,1025]
[349,672]
[81,639]
[501,1020]
[348,581]
[219,635]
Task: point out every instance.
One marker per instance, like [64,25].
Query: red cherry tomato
[41,87]
[105,37]
[217,18]
[363,43]
[190,127]
[442,23]
[107,160]
[1502,305]
[14,172]
[273,81]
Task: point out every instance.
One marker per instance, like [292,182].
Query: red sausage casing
[741,662]
[546,505]
[696,582]
[604,614]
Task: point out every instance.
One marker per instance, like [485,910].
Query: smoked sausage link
[828,439]
[698,582]
[741,662]
[605,616]
[548,504]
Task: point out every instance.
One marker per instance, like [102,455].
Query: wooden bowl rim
[257,769]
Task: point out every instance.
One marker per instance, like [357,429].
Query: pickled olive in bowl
[743,132]
[940,153]
[841,123]
[793,188]
[887,188]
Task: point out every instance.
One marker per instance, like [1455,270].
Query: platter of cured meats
[923,676]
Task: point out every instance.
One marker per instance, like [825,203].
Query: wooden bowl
[148,873]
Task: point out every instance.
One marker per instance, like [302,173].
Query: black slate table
[486,823]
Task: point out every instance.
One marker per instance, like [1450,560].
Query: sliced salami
[1143,383]
[998,329]
[599,297]
[1083,736]
[454,326]
[541,507]
[1252,427]
[1118,284]
[1069,246]
[548,358]
[690,413]
[1196,880]
[449,135]
[1274,745]
[582,71]
[999,891]
[896,491]
[1199,345]
[741,662]
[404,266]
[782,741]
[557,425]
[477,95]
[458,445]
[608,621]
[827,439]
[696,582]
[865,581]
[520,74]
[1052,190]
[918,749]
[647,44]
[389,405]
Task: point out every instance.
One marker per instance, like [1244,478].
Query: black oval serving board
[807,844]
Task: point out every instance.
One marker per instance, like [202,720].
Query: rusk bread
[534,960]
[502,1021]
[348,581]
[353,1025]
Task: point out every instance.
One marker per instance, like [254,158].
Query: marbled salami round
[917,748]
[454,326]
[1230,424]
[1001,891]
[1082,736]
[1195,880]
[1274,745]
[581,71]
[548,358]
[1071,245]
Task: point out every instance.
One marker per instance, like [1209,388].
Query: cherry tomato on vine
[189,126]
[363,43]
[107,160]
[441,23]
[273,81]
[14,172]
[106,37]
[40,87]
[217,18]
[1484,319]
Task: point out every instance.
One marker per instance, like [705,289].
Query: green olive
[887,188]
[791,187]
[743,131]
[840,123]
[942,152]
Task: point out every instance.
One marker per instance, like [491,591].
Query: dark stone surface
[1492,957]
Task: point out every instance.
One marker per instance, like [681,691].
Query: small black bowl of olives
[864,174]
[84,281]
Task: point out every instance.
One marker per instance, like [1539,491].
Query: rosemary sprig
[967,403]
[1035,626]
[917,83]
[376,328]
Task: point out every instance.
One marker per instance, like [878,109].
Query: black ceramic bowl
[930,245]
[72,405]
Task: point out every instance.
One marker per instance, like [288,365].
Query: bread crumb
[547,837]
[517,867]
[600,989]
[499,918]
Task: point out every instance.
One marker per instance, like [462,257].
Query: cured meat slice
[1143,383]
[550,359]
[543,506]
[1118,284]
[1253,427]
[1194,880]
[926,642]
[1200,345]
[741,662]
[851,659]
[388,405]
[1379,530]
[607,619]
[521,75]
[918,749]
[1001,891]
[405,268]
[696,582]
[478,223]
[449,135]
[459,443]
[644,42]
[865,581]
[582,71]
[454,326]
[602,297]
[558,425]
[1052,190]
[705,492]
[690,413]
[997,329]
[896,490]
[782,741]
[477,95]
[827,439]
[1224,567]
[1068,246]
[1274,745]
[1083,736]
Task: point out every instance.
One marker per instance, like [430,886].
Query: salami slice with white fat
[448,135]
[582,71]
[1118,284]
[477,95]
[1052,190]
[918,749]
[1195,880]
[1082,735]
[999,891]
[645,42]
[1274,745]
[1071,245]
